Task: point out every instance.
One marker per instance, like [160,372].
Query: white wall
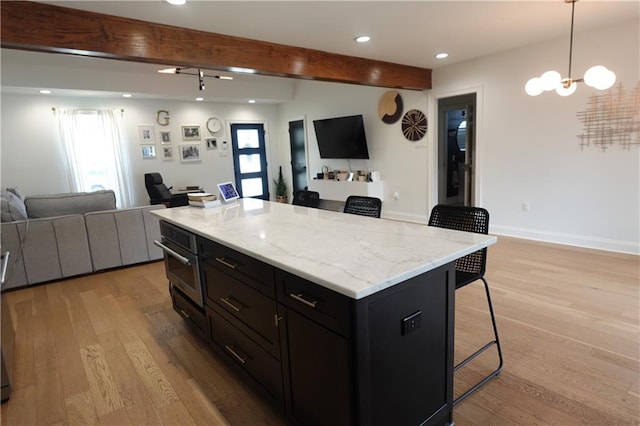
[527,147]
[402,164]
[33,157]
[529,151]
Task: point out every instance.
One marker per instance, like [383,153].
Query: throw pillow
[16,191]
[12,207]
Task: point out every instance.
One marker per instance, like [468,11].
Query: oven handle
[173,253]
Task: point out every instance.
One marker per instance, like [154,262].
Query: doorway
[250,160]
[298,155]
[456,150]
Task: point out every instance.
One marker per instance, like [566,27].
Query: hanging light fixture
[597,76]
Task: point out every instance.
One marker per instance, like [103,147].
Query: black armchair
[160,194]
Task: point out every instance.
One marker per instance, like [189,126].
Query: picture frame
[146,134]
[167,153]
[211,143]
[189,152]
[191,133]
[148,151]
[165,137]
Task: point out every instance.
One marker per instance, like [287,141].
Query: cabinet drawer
[250,271]
[255,311]
[325,306]
[250,357]
[189,311]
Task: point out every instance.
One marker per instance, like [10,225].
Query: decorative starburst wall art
[611,118]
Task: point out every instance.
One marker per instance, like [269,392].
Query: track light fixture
[193,71]
[597,76]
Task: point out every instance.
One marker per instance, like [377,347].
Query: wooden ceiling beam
[41,27]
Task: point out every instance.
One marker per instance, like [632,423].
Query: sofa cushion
[12,207]
[69,203]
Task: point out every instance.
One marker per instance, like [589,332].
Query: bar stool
[469,269]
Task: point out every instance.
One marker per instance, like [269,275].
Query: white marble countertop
[353,255]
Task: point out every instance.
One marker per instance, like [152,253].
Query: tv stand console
[340,190]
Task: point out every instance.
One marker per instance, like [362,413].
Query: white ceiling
[404,32]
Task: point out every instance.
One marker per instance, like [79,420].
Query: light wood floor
[108,349]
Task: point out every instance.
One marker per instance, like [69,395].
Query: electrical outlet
[396,195]
[411,323]
[525,206]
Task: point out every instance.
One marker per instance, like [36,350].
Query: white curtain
[95,151]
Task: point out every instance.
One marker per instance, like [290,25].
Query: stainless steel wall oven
[181,260]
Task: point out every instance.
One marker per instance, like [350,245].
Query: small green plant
[281,184]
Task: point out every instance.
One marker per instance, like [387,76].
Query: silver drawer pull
[227,301]
[300,298]
[233,352]
[186,315]
[173,253]
[227,263]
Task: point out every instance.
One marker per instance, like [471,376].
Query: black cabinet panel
[259,364]
[319,369]
[250,307]
[250,271]
[189,311]
[318,303]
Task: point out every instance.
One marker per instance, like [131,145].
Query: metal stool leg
[495,342]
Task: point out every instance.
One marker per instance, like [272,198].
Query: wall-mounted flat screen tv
[341,137]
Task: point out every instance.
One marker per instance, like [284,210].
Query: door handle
[173,253]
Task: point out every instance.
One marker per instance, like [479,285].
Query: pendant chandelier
[597,76]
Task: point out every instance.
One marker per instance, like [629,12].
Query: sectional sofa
[50,237]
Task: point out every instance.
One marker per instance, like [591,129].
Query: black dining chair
[363,206]
[469,269]
[306,198]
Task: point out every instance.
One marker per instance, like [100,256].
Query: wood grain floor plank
[80,410]
[139,406]
[21,409]
[49,401]
[152,377]
[24,372]
[105,393]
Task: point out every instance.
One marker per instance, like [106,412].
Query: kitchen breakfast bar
[336,319]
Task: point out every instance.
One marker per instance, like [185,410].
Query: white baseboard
[628,247]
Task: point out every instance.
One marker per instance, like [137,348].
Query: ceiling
[404,32]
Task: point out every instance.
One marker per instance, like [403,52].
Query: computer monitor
[228,191]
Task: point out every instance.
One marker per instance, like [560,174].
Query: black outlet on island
[411,323]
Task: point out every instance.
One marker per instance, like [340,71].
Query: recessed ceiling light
[441,55]
[199,99]
[45,91]
[362,39]
[177,2]
[252,101]
[126,95]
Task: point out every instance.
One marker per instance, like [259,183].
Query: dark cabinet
[318,373]
[324,358]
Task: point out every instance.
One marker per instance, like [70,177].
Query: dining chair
[306,198]
[363,206]
[469,269]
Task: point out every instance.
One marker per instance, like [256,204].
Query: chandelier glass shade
[598,76]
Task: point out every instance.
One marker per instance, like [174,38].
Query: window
[95,161]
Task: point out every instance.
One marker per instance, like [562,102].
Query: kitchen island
[337,318]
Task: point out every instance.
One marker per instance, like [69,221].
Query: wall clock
[414,125]
[214,125]
[390,107]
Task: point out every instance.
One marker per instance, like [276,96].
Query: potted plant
[281,187]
